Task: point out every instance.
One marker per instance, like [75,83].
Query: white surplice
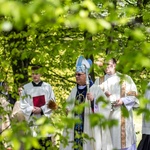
[101,136]
[27,105]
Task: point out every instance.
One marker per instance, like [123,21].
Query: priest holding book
[34,101]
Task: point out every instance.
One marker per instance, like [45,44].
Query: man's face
[19,90]
[36,76]
[80,78]
[110,67]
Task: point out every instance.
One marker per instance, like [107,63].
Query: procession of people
[111,95]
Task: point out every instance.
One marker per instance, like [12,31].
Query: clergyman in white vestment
[121,91]
[34,100]
[80,94]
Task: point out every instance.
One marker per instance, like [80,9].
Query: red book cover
[39,101]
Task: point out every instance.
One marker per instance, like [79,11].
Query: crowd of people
[116,90]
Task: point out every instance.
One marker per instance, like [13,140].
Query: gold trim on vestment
[131,93]
[123,133]
[122,94]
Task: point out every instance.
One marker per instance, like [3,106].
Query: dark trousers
[144,143]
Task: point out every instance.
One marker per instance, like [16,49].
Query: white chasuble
[102,138]
[123,135]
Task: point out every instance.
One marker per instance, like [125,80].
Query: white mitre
[82,65]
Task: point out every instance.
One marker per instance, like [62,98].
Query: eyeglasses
[79,74]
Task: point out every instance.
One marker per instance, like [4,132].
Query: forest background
[53,33]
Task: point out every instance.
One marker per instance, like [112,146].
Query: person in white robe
[121,91]
[86,92]
[145,141]
[17,116]
[34,100]
[17,113]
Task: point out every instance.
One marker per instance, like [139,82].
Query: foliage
[55,33]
